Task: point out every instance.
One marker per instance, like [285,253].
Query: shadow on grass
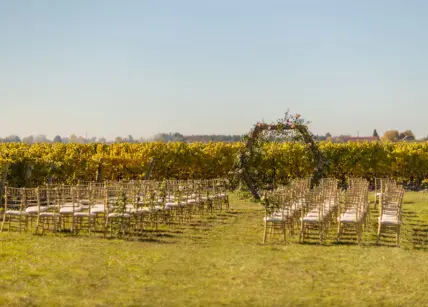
[150,240]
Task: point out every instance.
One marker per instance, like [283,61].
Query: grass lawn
[219,262]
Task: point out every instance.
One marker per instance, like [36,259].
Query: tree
[118,140]
[407,136]
[11,139]
[57,139]
[328,137]
[129,139]
[28,140]
[167,137]
[102,140]
[375,134]
[41,138]
[72,138]
[391,135]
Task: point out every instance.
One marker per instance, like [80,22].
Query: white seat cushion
[389,220]
[101,206]
[35,209]
[311,219]
[348,218]
[69,210]
[97,210]
[274,219]
[14,212]
[70,205]
[313,213]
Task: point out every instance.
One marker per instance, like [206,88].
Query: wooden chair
[15,214]
[312,215]
[118,219]
[319,207]
[69,205]
[390,212]
[277,215]
[49,219]
[85,218]
[32,199]
[351,217]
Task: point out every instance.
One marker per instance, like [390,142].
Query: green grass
[217,262]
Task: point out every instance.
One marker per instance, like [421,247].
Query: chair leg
[301,235]
[359,232]
[378,233]
[265,234]
[398,236]
[284,229]
[339,231]
[2,224]
[42,222]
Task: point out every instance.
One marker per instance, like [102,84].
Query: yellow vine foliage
[406,162]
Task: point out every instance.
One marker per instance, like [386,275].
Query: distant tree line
[390,135]
[160,137]
[178,137]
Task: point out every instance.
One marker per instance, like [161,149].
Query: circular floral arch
[291,127]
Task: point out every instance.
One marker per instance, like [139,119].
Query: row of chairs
[121,208]
[320,209]
[390,209]
[283,208]
[354,211]
[315,211]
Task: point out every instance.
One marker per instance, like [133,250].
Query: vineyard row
[68,163]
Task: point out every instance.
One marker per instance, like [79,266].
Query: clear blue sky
[139,67]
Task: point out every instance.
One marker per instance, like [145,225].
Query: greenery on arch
[290,128]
